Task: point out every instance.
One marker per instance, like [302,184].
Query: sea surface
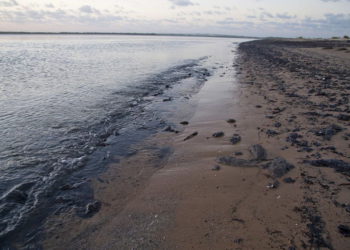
[71,103]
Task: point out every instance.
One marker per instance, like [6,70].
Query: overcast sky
[291,18]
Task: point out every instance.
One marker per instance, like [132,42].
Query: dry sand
[180,202]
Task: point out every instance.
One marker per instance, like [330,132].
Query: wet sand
[177,192]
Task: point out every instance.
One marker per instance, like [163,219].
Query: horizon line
[125,33]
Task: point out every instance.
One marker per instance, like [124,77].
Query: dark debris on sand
[278,167]
[258,152]
[191,136]
[306,86]
[236,138]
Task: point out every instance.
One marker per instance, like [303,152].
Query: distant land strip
[114,33]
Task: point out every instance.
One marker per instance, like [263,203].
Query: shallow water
[63,97]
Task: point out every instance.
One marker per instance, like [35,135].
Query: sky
[286,18]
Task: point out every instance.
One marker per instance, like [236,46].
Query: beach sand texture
[291,97]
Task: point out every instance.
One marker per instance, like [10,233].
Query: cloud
[8,3]
[88,9]
[330,25]
[226,21]
[181,2]
[59,16]
[265,14]
[284,16]
[258,21]
[210,12]
[337,20]
[333,1]
[31,15]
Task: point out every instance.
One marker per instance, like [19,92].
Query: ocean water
[65,98]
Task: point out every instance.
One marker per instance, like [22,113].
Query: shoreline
[135,114]
[282,101]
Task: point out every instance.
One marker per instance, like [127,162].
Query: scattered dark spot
[343,117]
[92,208]
[238,241]
[278,167]
[288,180]
[277,124]
[236,138]
[293,137]
[218,134]
[271,132]
[236,162]
[339,165]
[329,131]
[308,181]
[258,152]
[238,220]
[316,232]
[344,230]
[167,99]
[231,121]
[278,110]
[216,168]
[274,185]
[170,129]
[191,136]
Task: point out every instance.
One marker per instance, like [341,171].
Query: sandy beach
[262,164]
